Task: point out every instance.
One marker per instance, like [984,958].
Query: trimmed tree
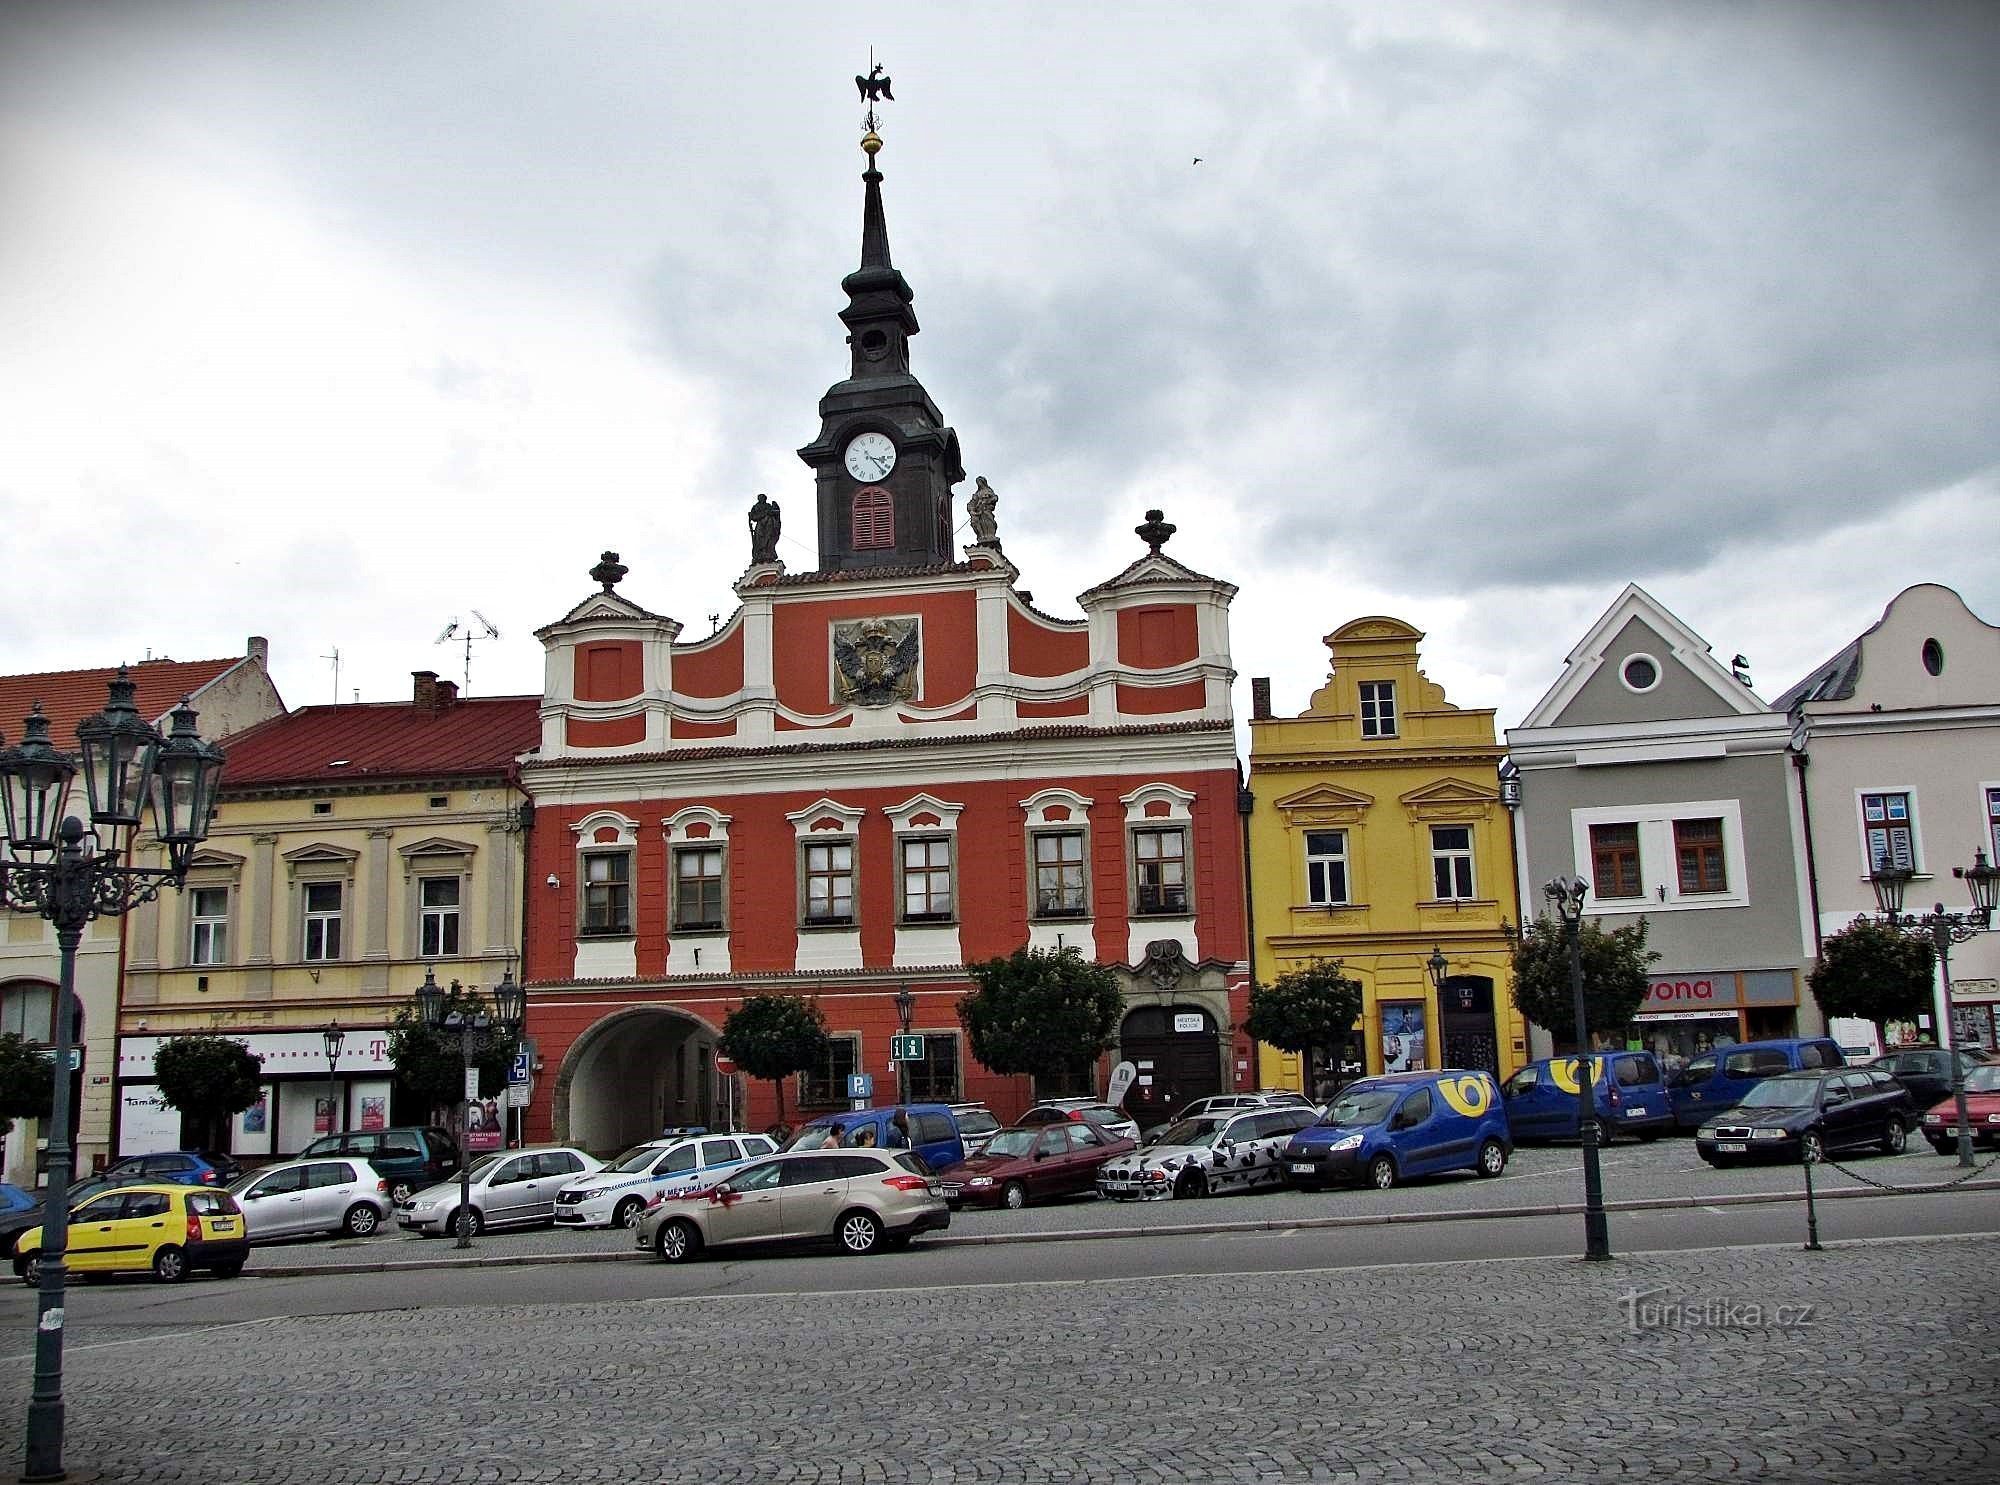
[773,1036]
[429,1070]
[27,1082]
[1305,1010]
[1614,975]
[1873,973]
[1042,1012]
[209,1080]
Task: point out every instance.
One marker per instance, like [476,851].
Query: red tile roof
[383,741]
[68,696]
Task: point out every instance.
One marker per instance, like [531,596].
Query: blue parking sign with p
[860,1085]
[518,1073]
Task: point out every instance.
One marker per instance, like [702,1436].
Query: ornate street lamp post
[479,1026]
[1942,930]
[1567,894]
[1440,971]
[333,1038]
[58,869]
[906,1006]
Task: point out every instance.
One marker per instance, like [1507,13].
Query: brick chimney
[259,650]
[1260,698]
[447,694]
[425,694]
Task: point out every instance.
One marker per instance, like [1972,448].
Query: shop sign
[365,1049]
[1190,1021]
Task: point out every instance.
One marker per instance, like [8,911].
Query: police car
[617,1194]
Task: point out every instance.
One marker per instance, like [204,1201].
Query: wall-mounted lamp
[554,880]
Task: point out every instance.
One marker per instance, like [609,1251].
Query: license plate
[1635,1113]
[1732,1147]
[952,1189]
[224,1224]
[1302,1167]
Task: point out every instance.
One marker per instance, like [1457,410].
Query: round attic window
[1640,673]
[1933,657]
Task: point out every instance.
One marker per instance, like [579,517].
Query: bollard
[1812,1207]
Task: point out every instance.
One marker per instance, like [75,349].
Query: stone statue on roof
[764,526]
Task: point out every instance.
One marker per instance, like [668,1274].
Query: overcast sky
[336,322]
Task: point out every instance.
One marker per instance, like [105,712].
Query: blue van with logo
[1717,1080]
[1402,1125]
[933,1132]
[1631,1097]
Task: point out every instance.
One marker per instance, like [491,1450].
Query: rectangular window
[1614,861]
[1993,826]
[935,1079]
[1326,867]
[1160,859]
[927,880]
[1698,849]
[607,892]
[1451,861]
[437,917]
[322,939]
[208,911]
[28,1010]
[1886,821]
[827,1083]
[1378,708]
[698,887]
[830,882]
[1059,881]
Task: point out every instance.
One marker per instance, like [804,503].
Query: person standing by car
[899,1130]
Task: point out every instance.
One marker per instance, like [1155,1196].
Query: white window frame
[1467,856]
[1337,859]
[309,918]
[1372,696]
[1659,862]
[442,913]
[1989,800]
[216,940]
[927,868]
[1909,793]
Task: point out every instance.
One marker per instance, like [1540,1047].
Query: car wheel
[30,1270]
[466,1222]
[1492,1158]
[361,1219]
[401,1191]
[1894,1137]
[859,1233]
[1382,1172]
[1812,1148]
[1013,1196]
[229,1270]
[1191,1185]
[676,1241]
[627,1212]
[170,1265]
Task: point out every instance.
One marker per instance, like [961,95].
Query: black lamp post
[1567,894]
[68,874]
[906,1007]
[1942,930]
[479,1026]
[333,1038]
[1440,971]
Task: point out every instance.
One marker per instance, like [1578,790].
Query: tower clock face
[870,457]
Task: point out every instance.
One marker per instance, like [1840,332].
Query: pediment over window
[435,845]
[206,859]
[826,817]
[321,854]
[1449,799]
[1324,804]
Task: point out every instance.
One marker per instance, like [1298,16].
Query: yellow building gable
[1377,837]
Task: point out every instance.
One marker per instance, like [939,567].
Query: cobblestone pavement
[1668,1170]
[1866,1363]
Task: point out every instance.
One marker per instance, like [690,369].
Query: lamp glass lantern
[120,750]
[1981,879]
[1438,966]
[187,774]
[510,1002]
[34,787]
[906,1006]
[334,1039]
[1890,882]
[431,999]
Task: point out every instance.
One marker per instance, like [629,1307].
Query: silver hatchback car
[305,1197]
[509,1188]
[862,1199]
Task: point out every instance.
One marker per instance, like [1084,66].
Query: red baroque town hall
[876,773]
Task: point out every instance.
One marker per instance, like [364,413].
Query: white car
[304,1197]
[510,1188]
[1229,1150]
[616,1194]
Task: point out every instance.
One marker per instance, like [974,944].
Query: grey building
[1653,771]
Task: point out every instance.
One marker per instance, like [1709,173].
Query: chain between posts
[1958,1180]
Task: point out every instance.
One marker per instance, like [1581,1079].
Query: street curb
[1177,1229]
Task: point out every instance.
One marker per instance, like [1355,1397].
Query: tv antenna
[335,658]
[469,634]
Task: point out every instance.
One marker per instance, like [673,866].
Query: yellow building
[1377,837]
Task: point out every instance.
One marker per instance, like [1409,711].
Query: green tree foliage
[208,1079]
[430,1070]
[1043,1012]
[1874,973]
[27,1082]
[1614,975]
[1305,1010]
[774,1036]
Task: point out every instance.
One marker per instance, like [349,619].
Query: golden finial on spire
[874,88]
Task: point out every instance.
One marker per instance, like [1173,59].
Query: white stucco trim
[1659,876]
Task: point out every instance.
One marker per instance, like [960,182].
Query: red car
[1982,1106]
[1033,1163]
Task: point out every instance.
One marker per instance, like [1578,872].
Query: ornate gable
[1324,804]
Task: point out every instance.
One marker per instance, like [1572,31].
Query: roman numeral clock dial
[870,457]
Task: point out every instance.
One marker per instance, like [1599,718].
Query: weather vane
[873,88]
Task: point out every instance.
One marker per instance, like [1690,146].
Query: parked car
[305,1197]
[1982,1107]
[1229,1150]
[1388,1129]
[933,1132]
[861,1199]
[1267,1098]
[614,1195]
[167,1228]
[20,1209]
[509,1188]
[409,1158]
[1925,1071]
[181,1167]
[1033,1162]
[1113,1121]
[1715,1081]
[1810,1115]
[976,1125]
[1629,1092]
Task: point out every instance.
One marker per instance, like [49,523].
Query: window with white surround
[1159,870]
[208,932]
[1326,867]
[1993,826]
[1378,708]
[322,921]
[1888,830]
[606,893]
[1699,856]
[437,917]
[829,882]
[1665,857]
[1614,861]
[1061,888]
[697,888]
[926,868]
[1451,862]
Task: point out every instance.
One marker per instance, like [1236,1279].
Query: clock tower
[884,458]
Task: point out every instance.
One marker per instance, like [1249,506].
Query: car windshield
[813,1137]
[1983,1080]
[481,1166]
[1782,1093]
[977,1122]
[1197,1132]
[1365,1106]
[639,1157]
[1013,1142]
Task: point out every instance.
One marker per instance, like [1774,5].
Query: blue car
[933,1132]
[1631,1097]
[1716,1081]
[175,1167]
[1403,1125]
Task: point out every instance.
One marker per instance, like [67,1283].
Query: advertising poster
[322,1116]
[1405,1038]
[482,1125]
[374,1112]
[253,1127]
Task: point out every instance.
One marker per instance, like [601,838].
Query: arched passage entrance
[1178,1052]
[634,1073]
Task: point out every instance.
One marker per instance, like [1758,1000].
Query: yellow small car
[168,1229]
